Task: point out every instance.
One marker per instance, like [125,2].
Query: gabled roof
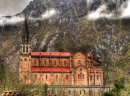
[79,52]
[49,70]
[57,54]
[96,62]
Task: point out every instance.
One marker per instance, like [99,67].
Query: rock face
[68,30]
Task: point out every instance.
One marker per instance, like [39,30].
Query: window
[79,62]
[91,77]
[84,92]
[80,69]
[44,62]
[55,62]
[35,76]
[25,59]
[64,63]
[66,77]
[80,92]
[80,76]
[79,55]
[23,48]
[56,77]
[46,77]
[97,77]
[26,48]
[35,62]
[83,76]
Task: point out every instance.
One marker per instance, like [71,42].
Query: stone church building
[57,68]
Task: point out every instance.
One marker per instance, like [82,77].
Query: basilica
[57,68]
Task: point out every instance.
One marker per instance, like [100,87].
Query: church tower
[25,44]
[25,58]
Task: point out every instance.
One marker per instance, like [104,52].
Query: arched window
[44,62]
[23,48]
[79,55]
[97,77]
[66,77]
[79,62]
[91,77]
[35,63]
[35,76]
[55,62]
[25,59]
[84,92]
[80,76]
[26,48]
[46,77]
[64,63]
[83,76]
[56,77]
[80,92]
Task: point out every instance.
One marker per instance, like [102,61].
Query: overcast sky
[11,7]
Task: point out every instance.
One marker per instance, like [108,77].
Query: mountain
[69,30]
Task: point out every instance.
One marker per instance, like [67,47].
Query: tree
[116,90]
[45,89]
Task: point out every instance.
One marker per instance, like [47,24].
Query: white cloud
[16,19]
[46,15]
[12,20]
[99,13]
[49,13]
[126,11]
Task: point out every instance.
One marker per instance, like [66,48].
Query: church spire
[25,36]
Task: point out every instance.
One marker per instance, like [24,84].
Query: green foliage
[45,89]
[116,90]
[2,70]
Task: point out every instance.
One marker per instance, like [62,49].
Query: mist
[103,12]
[126,11]
[46,15]
[99,13]
[17,19]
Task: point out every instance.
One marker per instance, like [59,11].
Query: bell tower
[25,57]
[25,44]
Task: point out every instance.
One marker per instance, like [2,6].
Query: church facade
[60,68]
[57,68]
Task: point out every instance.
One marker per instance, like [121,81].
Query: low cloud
[102,12]
[126,11]
[46,15]
[99,13]
[12,20]
[17,19]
